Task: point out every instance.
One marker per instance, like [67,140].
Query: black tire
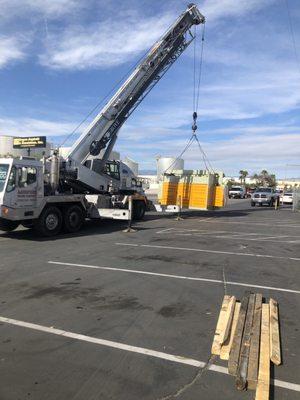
[252,204]
[8,226]
[139,209]
[49,222]
[73,219]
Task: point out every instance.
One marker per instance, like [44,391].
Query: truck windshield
[3,175]
[265,190]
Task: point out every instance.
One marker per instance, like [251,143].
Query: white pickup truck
[264,195]
[237,192]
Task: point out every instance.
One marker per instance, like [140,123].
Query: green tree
[265,179]
[243,175]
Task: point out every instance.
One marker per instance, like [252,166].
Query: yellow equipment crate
[190,189]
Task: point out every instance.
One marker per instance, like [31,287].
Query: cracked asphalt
[158,289]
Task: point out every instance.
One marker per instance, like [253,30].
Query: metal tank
[168,164]
[134,166]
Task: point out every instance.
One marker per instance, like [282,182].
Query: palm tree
[243,174]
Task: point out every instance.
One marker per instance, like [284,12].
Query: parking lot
[111,315]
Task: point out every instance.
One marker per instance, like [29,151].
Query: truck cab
[21,189]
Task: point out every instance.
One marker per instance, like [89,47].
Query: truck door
[27,187]
[9,192]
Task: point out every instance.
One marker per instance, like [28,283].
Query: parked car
[250,191]
[237,192]
[287,198]
[264,195]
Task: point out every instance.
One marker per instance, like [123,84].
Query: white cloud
[253,152]
[34,127]
[218,9]
[11,50]
[102,45]
[9,9]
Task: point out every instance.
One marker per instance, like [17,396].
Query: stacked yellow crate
[198,190]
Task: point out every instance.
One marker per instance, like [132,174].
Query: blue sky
[58,58]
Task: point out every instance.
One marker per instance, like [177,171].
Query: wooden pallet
[247,335]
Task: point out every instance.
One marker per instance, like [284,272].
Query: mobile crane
[60,193]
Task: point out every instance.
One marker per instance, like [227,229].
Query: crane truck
[60,193]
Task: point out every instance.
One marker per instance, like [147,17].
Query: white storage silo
[133,165]
[168,164]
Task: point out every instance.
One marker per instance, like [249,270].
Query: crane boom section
[101,133]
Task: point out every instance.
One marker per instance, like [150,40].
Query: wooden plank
[227,321]
[252,373]
[263,383]
[275,352]
[241,379]
[238,335]
[225,349]
[221,326]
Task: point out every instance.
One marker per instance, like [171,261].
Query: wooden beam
[223,325]
[228,320]
[225,349]
[238,335]
[252,373]
[263,383]
[275,352]
[241,379]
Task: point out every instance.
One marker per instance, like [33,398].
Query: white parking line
[277,225]
[134,349]
[209,251]
[191,278]
[230,235]
[165,230]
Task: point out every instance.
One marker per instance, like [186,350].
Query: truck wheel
[139,208]
[252,204]
[50,221]
[8,226]
[73,219]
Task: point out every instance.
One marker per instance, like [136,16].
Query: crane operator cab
[121,176]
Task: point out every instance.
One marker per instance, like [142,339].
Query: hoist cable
[204,156]
[190,141]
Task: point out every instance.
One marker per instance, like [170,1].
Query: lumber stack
[247,336]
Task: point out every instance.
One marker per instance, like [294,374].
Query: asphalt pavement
[105,314]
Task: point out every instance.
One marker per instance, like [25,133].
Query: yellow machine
[193,189]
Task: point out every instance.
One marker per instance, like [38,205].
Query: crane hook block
[194,126]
